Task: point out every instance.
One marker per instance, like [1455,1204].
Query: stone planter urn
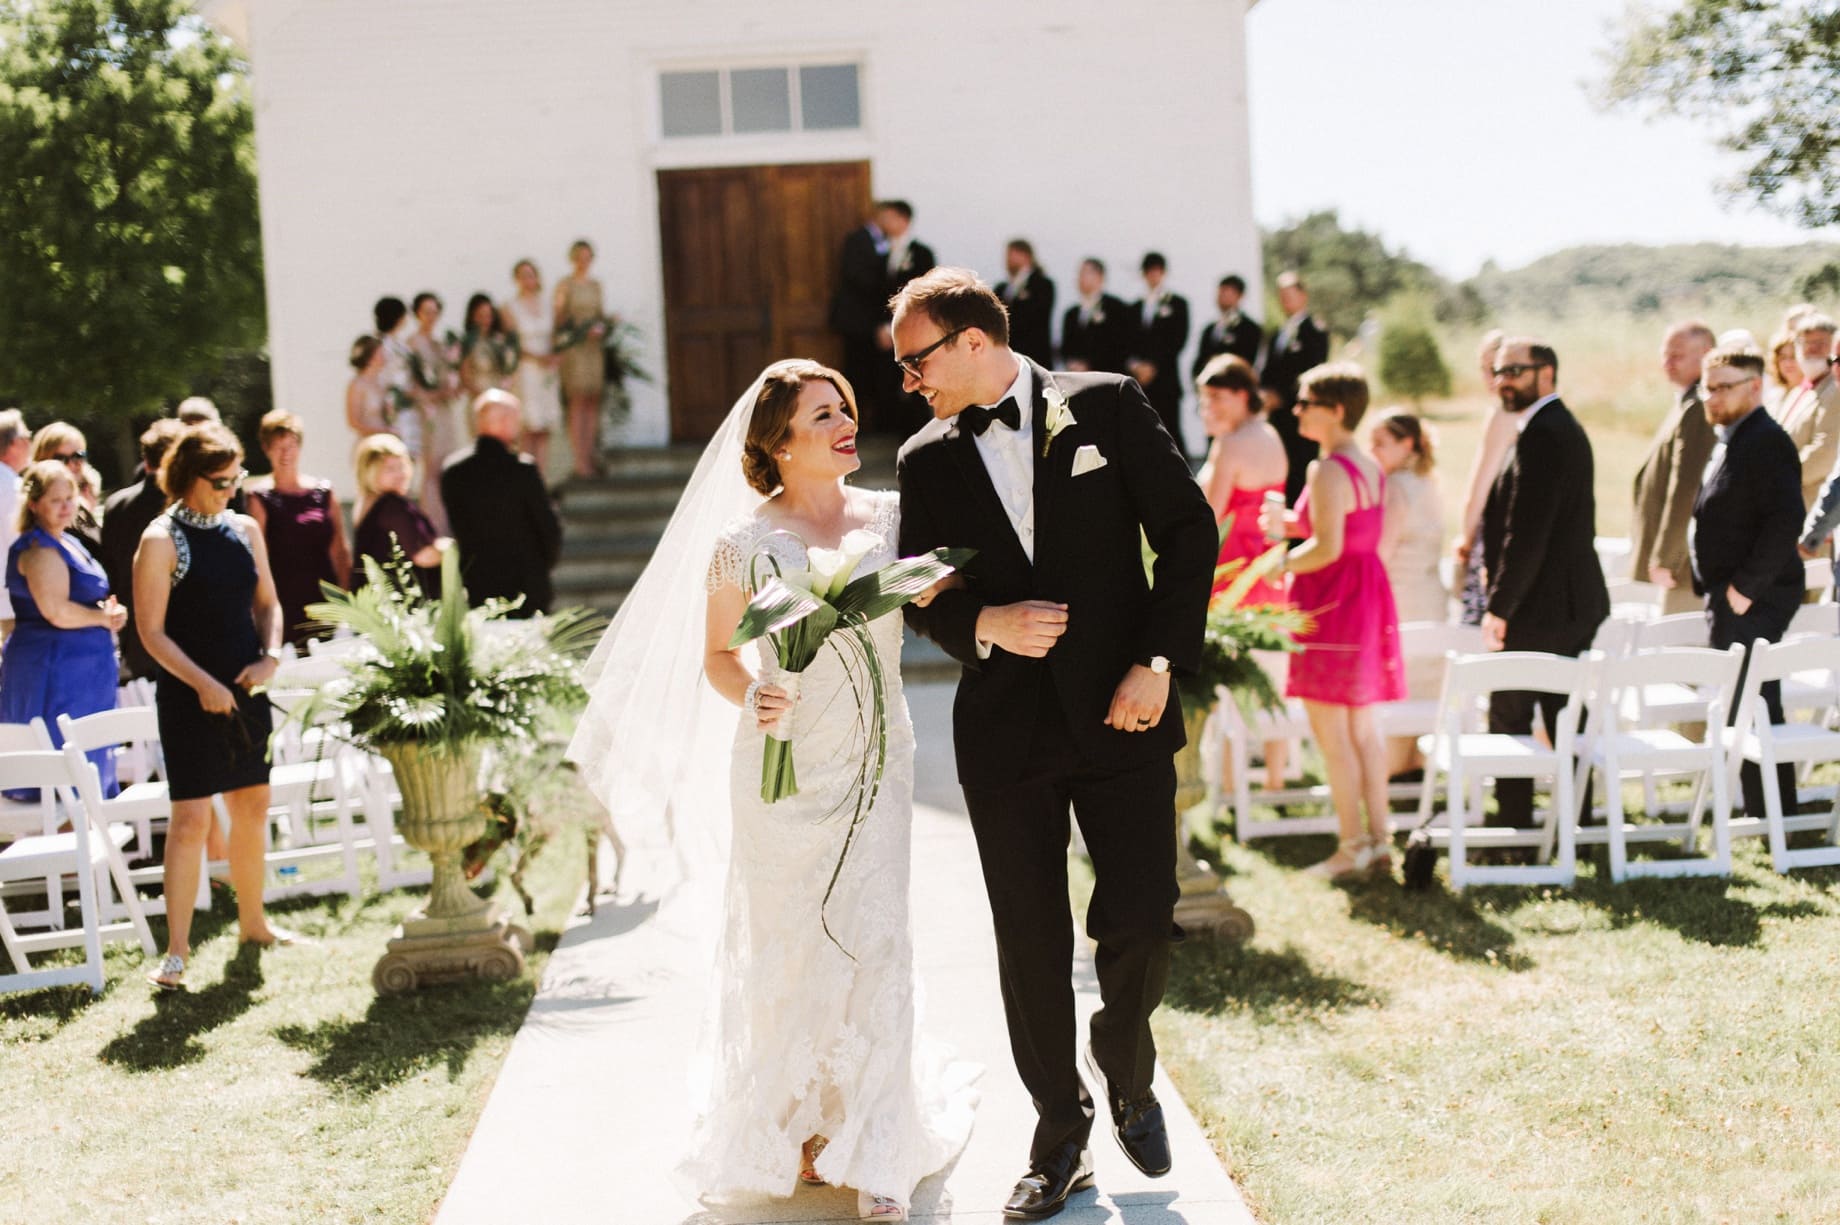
[1203,906]
[455,935]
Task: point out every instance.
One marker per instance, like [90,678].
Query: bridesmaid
[367,402]
[488,353]
[538,386]
[300,523]
[437,387]
[1350,656]
[1411,543]
[579,306]
[1245,461]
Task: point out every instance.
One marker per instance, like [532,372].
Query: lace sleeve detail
[727,562]
[888,519]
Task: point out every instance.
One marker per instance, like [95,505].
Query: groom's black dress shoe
[1043,1191]
[1137,1124]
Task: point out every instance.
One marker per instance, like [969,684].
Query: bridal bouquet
[798,614]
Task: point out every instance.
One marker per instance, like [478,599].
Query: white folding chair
[1617,742]
[21,818]
[92,855]
[1756,740]
[1615,556]
[1686,629]
[1238,734]
[1818,577]
[1419,641]
[1460,756]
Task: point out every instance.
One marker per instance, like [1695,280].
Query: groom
[1065,696]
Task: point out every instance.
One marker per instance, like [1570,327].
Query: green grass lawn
[278,1088]
[1652,1051]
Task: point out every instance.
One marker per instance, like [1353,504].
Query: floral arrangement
[1234,631]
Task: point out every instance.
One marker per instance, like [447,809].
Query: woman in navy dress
[210,619]
[61,657]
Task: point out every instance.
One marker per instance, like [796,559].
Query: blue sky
[1462,131]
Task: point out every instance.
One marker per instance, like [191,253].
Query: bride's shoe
[878,1208]
[808,1161]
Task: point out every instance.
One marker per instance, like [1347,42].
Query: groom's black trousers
[1128,820]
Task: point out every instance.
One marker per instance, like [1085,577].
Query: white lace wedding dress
[804,1040]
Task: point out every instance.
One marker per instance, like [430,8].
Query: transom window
[750,101]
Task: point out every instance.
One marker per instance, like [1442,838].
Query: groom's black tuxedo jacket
[1088,555]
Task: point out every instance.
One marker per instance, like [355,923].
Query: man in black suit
[858,304]
[1161,319]
[1028,295]
[1233,332]
[1065,693]
[504,523]
[1745,522]
[1096,331]
[1300,345]
[908,258]
[1545,586]
[125,515]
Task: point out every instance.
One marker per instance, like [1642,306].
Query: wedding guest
[1096,330]
[1497,437]
[209,617]
[1161,333]
[60,659]
[1350,658]
[436,365]
[194,409]
[859,307]
[1411,544]
[367,402]
[63,442]
[125,516]
[389,519]
[579,308]
[1233,332]
[1299,345]
[1245,462]
[1784,374]
[505,524]
[907,258]
[536,383]
[15,454]
[1028,295]
[1668,479]
[488,352]
[407,414]
[301,524]
[1811,413]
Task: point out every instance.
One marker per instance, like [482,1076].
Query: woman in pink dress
[1245,461]
[1350,657]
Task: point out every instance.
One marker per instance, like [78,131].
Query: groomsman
[1232,333]
[908,258]
[1096,331]
[1668,480]
[1745,523]
[1162,333]
[1299,345]
[1028,294]
[1811,413]
[1544,585]
[858,307]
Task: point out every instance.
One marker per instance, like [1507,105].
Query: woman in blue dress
[60,659]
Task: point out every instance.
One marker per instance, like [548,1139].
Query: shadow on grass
[1445,922]
[402,1036]
[1213,978]
[169,1038]
[49,1009]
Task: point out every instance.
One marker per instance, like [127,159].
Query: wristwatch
[1159,664]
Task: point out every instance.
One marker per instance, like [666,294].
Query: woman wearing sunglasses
[63,442]
[209,617]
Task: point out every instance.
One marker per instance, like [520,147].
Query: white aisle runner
[589,1113]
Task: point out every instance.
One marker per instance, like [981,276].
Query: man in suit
[1028,294]
[1096,330]
[15,451]
[1811,413]
[1668,479]
[1745,523]
[1301,344]
[1065,693]
[860,302]
[1161,317]
[125,515]
[908,258]
[1544,585]
[504,523]
[1233,332]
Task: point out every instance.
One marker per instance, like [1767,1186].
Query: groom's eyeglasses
[911,365]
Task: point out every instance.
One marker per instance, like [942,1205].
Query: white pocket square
[1087,459]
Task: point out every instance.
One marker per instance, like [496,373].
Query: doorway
[750,260]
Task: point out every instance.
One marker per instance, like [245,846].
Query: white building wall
[428,144]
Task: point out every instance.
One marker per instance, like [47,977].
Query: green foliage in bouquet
[1235,630]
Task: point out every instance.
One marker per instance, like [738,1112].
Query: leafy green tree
[130,250]
[1767,72]
[1410,362]
[1352,273]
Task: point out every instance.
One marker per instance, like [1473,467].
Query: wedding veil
[655,740]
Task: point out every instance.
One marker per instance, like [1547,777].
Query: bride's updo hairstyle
[770,424]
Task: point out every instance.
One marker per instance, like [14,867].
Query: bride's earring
[784,455]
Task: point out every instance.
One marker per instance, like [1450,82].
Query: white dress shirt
[1520,422]
[9,507]
[1006,455]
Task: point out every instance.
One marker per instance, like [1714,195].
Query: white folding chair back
[131,732]
[1461,757]
[1822,620]
[1814,661]
[1818,577]
[20,818]
[1686,629]
[1618,741]
[1416,715]
[1615,555]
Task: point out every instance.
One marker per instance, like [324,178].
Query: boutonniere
[1057,418]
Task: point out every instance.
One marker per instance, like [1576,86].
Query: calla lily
[831,569]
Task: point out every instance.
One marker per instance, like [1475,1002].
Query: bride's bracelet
[749,701]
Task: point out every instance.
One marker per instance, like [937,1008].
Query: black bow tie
[978,417]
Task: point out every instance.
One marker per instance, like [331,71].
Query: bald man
[504,522]
[1669,477]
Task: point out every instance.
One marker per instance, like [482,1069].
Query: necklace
[192,518]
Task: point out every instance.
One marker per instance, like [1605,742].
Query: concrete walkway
[589,1113]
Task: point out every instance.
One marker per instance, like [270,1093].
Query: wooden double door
[750,262]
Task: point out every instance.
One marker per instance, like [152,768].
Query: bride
[812,1069]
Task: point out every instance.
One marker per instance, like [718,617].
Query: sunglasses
[221,483]
[912,364]
[79,456]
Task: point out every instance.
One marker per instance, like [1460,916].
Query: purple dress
[1351,655]
[298,532]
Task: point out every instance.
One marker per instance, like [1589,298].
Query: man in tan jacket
[1668,479]
[1811,413]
